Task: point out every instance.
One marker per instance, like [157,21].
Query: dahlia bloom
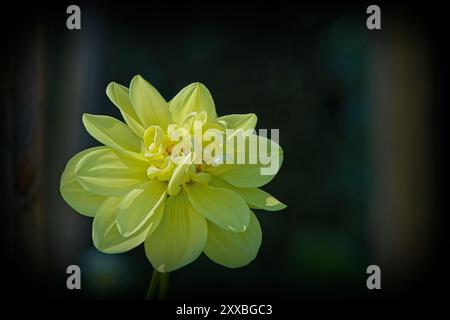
[138,191]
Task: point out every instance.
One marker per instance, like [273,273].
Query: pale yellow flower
[137,193]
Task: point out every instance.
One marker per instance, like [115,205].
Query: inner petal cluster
[171,154]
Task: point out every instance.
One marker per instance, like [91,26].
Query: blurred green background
[354,108]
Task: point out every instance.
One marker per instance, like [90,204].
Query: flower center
[172,159]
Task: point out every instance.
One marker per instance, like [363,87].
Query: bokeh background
[361,123]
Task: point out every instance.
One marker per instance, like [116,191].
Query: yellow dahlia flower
[137,192]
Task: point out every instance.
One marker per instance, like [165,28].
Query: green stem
[151,292]
[159,286]
[163,286]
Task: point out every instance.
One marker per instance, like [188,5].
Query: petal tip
[87,116]
[198,86]
[137,77]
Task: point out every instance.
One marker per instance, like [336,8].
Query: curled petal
[180,175]
[153,138]
[163,173]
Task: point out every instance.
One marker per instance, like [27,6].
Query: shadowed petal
[221,206]
[255,197]
[73,193]
[106,236]
[248,175]
[139,205]
[106,172]
[234,250]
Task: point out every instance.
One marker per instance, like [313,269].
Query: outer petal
[114,134]
[150,106]
[234,250]
[106,236]
[119,95]
[73,193]
[251,175]
[193,98]
[240,121]
[139,205]
[255,197]
[179,238]
[221,206]
[107,173]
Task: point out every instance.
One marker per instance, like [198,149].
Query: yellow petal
[250,175]
[106,172]
[153,138]
[179,238]
[119,95]
[163,173]
[255,197]
[114,134]
[180,175]
[221,206]
[73,193]
[201,177]
[106,236]
[233,250]
[240,121]
[139,205]
[150,106]
[193,98]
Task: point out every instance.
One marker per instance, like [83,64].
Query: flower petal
[234,250]
[139,205]
[106,172]
[193,98]
[150,106]
[119,95]
[180,237]
[73,193]
[114,134]
[179,175]
[255,197]
[251,175]
[240,121]
[106,236]
[221,206]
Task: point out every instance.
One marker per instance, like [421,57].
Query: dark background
[361,116]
